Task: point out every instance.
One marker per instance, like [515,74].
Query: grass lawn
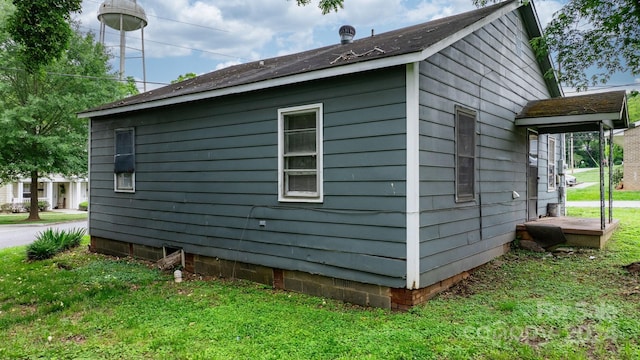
[45,217]
[523,305]
[592,193]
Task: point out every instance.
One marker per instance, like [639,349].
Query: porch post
[78,193]
[18,198]
[610,175]
[49,194]
[601,175]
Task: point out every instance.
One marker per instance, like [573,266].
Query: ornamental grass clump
[51,242]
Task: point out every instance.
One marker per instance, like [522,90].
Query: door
[532,176]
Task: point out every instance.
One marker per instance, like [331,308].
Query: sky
[200,36]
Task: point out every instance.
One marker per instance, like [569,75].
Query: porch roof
[576,113]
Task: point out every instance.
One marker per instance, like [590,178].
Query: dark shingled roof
[576,113]
[609,102]
[393,43]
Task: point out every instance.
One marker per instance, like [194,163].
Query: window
[300,153]
[124,161]
[552,163]
[465,128]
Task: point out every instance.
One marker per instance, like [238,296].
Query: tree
[40,95]
[184,77]
[42,28]
[634,108]
[326,6]
[591,40]
[595,35]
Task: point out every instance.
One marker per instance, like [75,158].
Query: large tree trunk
[33,208]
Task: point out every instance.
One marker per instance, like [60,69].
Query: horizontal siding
[206,175]
[482,72]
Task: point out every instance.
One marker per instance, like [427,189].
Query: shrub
[12,207]
[83,206]
[43,205]
[50,242]
[44,247]
[616,176]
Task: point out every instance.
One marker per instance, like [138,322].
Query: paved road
[15,235]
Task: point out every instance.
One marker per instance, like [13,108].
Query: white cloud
[199,35]
[436,9]
[225,64]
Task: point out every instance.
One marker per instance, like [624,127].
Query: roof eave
[261,85]
[375,64]
[534,29]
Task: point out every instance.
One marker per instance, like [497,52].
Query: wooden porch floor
[577,231]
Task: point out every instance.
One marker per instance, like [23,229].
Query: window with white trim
[551,181]
[300,153]
[465,129]
[124,175]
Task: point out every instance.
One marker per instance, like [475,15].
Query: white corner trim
[89,146]
[413,175]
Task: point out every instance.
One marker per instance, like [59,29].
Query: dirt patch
[464,288]
[78,339]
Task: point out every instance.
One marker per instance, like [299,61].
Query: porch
[568,231]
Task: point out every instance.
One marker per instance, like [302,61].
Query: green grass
[592,193]
[634,108]
[522,305]
[45,218]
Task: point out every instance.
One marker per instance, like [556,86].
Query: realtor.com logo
[575,324]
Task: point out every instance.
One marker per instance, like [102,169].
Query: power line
[174,20]
[172,45]
[87,76]
[605,87]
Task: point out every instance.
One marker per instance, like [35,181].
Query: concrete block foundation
[315,285]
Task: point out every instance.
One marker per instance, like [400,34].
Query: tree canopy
[591,40]
[326,6]
[184,77]
[601,37]
[40,96]
[42,29]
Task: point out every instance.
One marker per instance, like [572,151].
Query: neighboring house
[631,164]
[59,192]
[378,171]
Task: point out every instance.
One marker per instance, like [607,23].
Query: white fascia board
[448,41]
[312,75]
[550,121]
[267,84]
[413,175]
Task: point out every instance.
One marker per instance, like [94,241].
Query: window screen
[465,154]
[124,159]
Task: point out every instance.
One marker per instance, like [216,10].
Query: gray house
[378,171]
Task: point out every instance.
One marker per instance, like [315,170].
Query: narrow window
[300,153]
[124,160]
[552,163]
[465,128]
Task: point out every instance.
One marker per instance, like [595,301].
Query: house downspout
[563,182]
[413,175]
[89,177]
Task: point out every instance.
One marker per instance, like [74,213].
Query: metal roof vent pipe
[347,32]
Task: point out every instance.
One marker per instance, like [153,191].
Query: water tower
[123,15]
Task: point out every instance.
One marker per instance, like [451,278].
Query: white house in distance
[58,191]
